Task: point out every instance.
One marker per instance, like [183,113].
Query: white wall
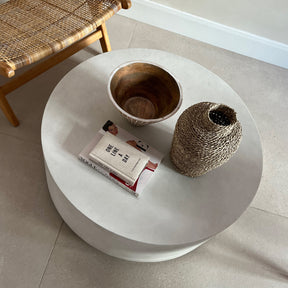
[258,31]
[266,18]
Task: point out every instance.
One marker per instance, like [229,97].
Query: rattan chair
[32,30]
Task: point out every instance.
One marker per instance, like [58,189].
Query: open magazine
[154,155]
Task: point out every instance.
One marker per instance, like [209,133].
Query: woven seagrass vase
[206,136]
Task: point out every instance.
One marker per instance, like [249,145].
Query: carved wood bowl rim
[136,120]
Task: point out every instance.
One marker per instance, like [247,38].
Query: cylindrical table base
[107,241]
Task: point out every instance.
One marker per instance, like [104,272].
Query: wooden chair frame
[5,70]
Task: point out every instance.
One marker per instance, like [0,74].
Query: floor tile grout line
[51,252]
[19,138]
[132,34]
[269,212]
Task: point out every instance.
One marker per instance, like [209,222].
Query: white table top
[173,209]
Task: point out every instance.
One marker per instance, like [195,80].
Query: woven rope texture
[34,29]
[206,136]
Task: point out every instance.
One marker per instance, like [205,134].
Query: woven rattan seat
[34,29]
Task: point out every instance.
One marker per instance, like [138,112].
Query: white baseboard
[210,32]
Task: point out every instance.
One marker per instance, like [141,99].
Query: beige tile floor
[38,250]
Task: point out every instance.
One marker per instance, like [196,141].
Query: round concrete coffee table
[175,214]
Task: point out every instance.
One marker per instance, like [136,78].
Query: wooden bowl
[144,93]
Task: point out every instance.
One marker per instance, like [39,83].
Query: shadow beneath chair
[29,101]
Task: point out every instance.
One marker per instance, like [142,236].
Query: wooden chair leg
[7,110]
[42,67]
[104,41]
